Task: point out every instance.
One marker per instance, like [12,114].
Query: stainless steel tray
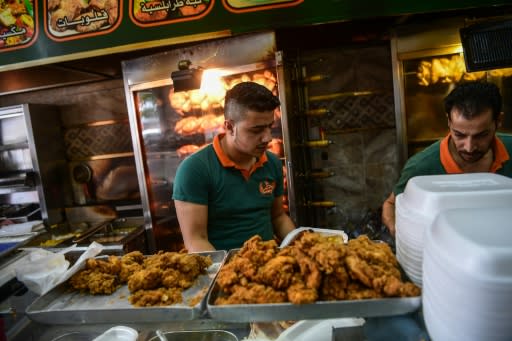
[317,310]
[64,306]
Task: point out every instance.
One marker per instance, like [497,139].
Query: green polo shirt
[239,201]
[436,159]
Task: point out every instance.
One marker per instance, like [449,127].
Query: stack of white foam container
[467,274]
[425,197]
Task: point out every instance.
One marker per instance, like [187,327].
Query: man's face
[253,134]
[472,138]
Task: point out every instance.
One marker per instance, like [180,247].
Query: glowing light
[212,84]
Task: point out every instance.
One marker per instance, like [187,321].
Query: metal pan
[317,310]
[64,306]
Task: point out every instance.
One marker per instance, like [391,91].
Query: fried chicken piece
[277,272]
[193,264]
[238,270]
[94,282]
[356,291]
[80,280]
[145,279]
[127,270]
[334,285]
[258,251]
[130,263]
[374,252]
[309,269]
[174,279]
[156,297]
[133,257]
[299,293]
[329,253]
[376,267]
[111,266]
[253,293]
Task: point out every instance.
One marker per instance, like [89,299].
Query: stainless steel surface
[44,332]
[160,335]
[194,335]
[90,232]
[317,310]
[32,160]
[9,244]
[62,306]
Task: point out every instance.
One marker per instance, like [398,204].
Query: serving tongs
[91,231]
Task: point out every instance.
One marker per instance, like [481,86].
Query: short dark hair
[248,96]
[473,98]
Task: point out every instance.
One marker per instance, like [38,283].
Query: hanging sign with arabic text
[18,24]
[37,32]
[161,12]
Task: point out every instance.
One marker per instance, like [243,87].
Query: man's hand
[388,213]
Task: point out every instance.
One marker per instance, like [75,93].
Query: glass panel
[176,124]
[427,82]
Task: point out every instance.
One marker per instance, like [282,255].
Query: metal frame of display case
[237,54]
[412,42]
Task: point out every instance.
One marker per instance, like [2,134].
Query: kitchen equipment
[467,277]
[33,180]
[317,310]
[62,306]
[426,196]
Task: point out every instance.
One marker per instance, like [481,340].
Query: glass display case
[427,81]
[170,122]
[428,64]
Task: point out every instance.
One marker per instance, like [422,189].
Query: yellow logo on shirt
[267,187]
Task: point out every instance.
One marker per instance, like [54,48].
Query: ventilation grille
[487,45]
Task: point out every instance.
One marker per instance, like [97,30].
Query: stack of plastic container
[467,275]
[425,197]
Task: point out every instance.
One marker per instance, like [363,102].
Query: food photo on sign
[16,23]
[164,11]
[68,18]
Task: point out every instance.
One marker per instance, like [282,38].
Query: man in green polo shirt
[232,189]
[472,145]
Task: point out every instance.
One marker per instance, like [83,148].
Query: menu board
[18,24]
[74,19]
[240,6]
[37,32]
[161,12]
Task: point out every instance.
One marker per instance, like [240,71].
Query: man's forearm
[199,245]
[283,225]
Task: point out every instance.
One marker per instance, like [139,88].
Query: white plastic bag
[43,270]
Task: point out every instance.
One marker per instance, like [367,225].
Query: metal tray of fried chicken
[321,308]
[65,305]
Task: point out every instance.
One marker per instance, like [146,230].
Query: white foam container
[467,274]
[426,196]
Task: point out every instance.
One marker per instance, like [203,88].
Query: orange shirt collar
[227,162]
[451,167]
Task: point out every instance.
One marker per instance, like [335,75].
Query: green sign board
[34,32]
